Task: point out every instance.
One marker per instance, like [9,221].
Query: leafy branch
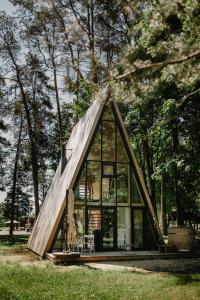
[179,105]
[158,65]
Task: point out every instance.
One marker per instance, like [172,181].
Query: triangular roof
[50,215]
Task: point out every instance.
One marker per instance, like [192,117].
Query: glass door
[93,222]
[123,226]
[108,228]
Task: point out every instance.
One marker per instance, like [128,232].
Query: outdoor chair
[88,244]
[126,248]
[76,245]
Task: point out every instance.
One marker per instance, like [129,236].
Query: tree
[3,145]
[161,68]
[29,83]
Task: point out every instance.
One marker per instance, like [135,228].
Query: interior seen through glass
[106,194]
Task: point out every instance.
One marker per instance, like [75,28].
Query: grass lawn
[18,282]
[55,282]
[16,243]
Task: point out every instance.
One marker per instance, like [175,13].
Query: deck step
[164,248]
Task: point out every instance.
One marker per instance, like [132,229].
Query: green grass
[17,242]
[52,282]
[49,283]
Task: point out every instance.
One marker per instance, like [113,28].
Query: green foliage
[83,40]
[83,98]
[2,219]
[156,77]
[21,207]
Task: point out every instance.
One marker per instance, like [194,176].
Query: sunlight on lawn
[49,283]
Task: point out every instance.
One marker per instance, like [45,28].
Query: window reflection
[123,226]
[94,220]
[135,195]
[122,183]
[108,184]
[95,151]
[138,228]
[79,217]
[79,191]
[108,190]
[108,170]
[108,141]
[93,181]
[108,227]
[108,114]
[121,150]
[60,240]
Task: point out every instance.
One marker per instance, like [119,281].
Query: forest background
[54,57]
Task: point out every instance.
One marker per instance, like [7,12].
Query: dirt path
[181,265]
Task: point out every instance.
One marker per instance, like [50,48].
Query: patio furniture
[127,248]
[88,244]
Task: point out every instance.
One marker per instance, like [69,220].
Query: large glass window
[108,141]
[135,195]
[121,150]
[94,220]
[108,227]
[79,217]
[108,191]
[93,182]
[123,183]
[108,185]
[138,227]
[123,226]
[108,169]
[95,151]
[108,114]
[80,189]
[61,238]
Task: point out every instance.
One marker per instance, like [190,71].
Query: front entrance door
[101,223]
[108,228]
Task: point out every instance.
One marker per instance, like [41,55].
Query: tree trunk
[33,150]
[58,109]
[163,207]
[90,27]
[179,208]
[12,212]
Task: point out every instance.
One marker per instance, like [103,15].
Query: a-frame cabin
[100,191]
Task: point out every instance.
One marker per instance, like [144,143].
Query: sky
[9,9]
[7,6]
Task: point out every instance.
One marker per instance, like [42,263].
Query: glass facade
[108,141]
[123,179]
[93,182]
[123,226]
[107,201]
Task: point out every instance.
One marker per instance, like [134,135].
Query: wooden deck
[60,257]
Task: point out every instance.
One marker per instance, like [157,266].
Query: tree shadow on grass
[183,279]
